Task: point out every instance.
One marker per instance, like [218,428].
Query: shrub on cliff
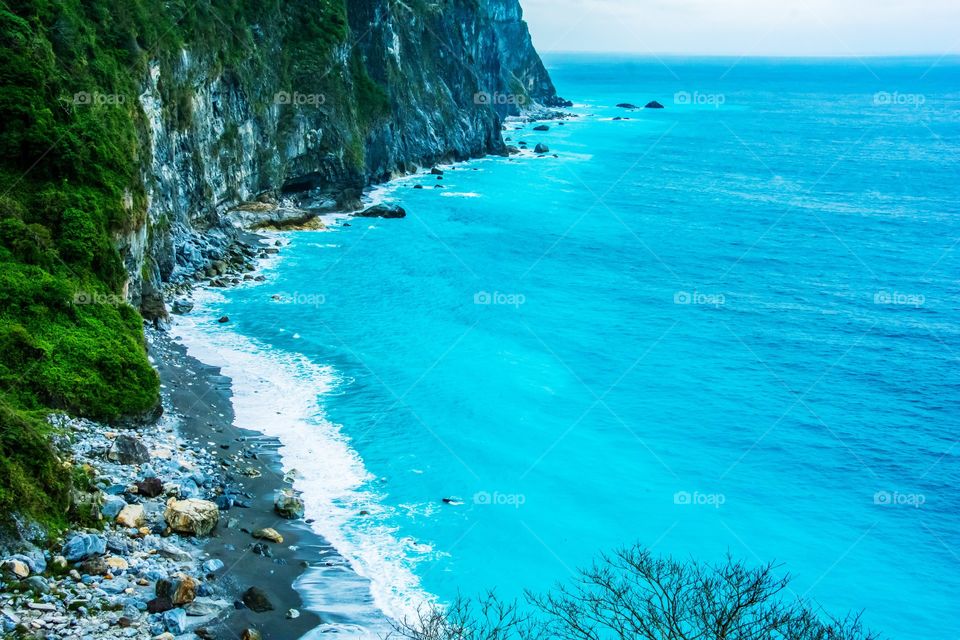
[634,595]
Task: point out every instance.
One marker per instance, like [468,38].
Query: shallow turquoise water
[731,325]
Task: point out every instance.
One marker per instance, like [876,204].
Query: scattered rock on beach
[150,487]
[181,307]
[192,516]
[83,546]
[288,504]
[256,600]
[128,449]
[436,172]
[250,634]
[131,516]
[16,568]
[269,534]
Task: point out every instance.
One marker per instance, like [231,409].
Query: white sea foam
[278,394]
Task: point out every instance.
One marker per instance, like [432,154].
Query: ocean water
[731,325]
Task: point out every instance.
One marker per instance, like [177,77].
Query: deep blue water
[728,325]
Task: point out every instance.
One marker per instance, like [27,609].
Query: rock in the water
[627,105]
[541,127]
[288,504]
[224,319]
[268,534]
[382,211]
[150,488]
[131,516]
[15,568]
[436,172]
[192,516]
[653,105]
[256,600]
[84,545]
[541,148]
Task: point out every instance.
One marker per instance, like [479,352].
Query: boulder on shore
[192,516]
[131,516]
[382,211]
[256,600]
[288,504]
[128,450]
[269,534]
[84,545]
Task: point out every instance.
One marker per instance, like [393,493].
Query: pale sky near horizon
[747,27]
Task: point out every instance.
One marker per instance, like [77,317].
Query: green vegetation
[72,147]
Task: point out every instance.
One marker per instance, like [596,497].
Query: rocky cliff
[322,100]
[134,130]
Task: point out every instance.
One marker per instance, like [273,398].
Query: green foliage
[69,160]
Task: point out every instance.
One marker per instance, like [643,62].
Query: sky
[747,27]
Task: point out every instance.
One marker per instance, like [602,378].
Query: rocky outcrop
[313,115]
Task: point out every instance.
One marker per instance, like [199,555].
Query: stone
[15,568]
[150,488]
[112,506]
[224,319]
[131,516]
[268,533]
[192,516]
[166,635]
[436,172]
[653,105]
[184,590]
[117,564]
[159,604]
[181,307]
[256,600]
[382,211]
[250,634]
[84,545]
[211,566]
[95,567]
[541,127]
[541,148]
[292,614]
[288,504]
[175,621]
[627,105]
[127,449]
[202,609]
[37,585]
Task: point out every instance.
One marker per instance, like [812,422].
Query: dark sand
[202,396]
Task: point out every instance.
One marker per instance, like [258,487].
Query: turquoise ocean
[728,326]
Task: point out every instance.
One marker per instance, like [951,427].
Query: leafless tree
[634,595]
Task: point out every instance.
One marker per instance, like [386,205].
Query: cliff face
[396,86]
